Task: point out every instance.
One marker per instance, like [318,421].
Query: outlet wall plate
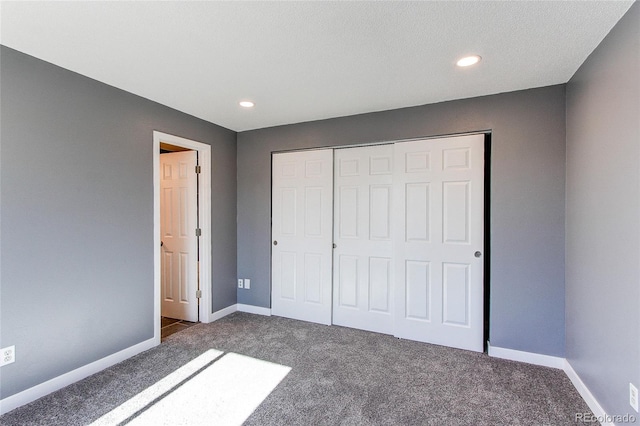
[633,396]
[240,283]
[247,283]
[7,355]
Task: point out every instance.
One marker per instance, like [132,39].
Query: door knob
[334,245]
[477,254]
[275,243]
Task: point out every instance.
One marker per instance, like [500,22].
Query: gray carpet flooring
[339,376]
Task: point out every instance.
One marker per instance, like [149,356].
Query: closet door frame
[482,264]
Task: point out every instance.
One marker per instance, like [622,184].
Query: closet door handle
[275,243]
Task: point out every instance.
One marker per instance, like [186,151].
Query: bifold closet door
[439,238]
[302,210]
[362,262]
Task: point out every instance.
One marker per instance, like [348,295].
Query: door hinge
[198,232]
[198,169]
[198,294]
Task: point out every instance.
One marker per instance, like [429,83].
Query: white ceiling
[301,61]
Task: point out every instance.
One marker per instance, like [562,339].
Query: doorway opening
[201,269]
[169,326]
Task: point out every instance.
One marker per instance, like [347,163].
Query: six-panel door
[178,222]
[362,261]
[302,206]
[439,195]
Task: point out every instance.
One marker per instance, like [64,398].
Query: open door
[179,241]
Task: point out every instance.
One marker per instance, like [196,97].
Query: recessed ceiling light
[468,61]
[246,104]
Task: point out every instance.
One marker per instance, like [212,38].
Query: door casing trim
[204,214]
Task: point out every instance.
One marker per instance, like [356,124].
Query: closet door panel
[302,216]
[438,240]
[363,266]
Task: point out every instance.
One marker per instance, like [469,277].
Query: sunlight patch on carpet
[152,393]
[211,389]
[225,393]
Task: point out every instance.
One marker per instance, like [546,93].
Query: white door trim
[204,213]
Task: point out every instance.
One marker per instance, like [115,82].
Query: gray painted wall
[603,217]
[527,200]
[77,217]
[77,231]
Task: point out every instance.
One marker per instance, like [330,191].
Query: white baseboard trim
[28,395]
[528,357]
[588,397]
[254,309]
[563,364]
[222,313]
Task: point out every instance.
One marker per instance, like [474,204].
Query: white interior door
[302,208]
[363,267]
[439,197]
[178,222]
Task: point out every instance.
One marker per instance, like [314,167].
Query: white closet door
[439,190]
[363,267]
[302,209]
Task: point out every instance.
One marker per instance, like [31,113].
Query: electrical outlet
[633,396]
[240,283]
[247,283]
[8,355]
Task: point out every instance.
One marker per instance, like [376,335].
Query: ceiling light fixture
[468,61]
[247,104]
